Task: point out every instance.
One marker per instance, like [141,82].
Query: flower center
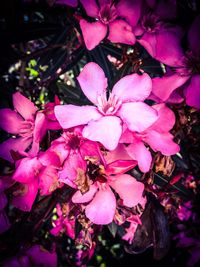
[26,129]
[107,13]
[150,22]
[96,171]
[74,141]
[110,106]
[191,64]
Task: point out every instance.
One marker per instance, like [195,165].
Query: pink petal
[194,35]
[89,148]
[25,196]
[16,144]
[148,41]
[101,209]
[49,158]
[10,121]
[107,130]
[127,137]
[60,149]
[72,165]
[166,118]
[72,3]
[70,115]
[192,92]
[138,151]
[162,142]
[27,170]
[93,81]
[120,166]
[84,198]
[48,180]
[40,127]
[129,189]
[121,32]
[90,7]
[24,106]
[164,86]
[4,222]
[138,116]
[172,53]
[133,87]
[175,97]
[119,153]
[130,10]
[93,33]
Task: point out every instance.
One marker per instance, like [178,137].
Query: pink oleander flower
[157,136]
[100,200]
[34,256]
[73,150]
[33,174]
[26,123]
[104,122]
[115,19]
[162,40]
[186,71]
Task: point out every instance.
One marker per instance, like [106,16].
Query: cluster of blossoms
[96,146]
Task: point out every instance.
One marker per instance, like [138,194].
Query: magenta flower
[162,40]
[157,136]
[72,3]
[108,18]
[25,123]
[187,72]
[104,122]
[33,174]
[102,201]
[73,150]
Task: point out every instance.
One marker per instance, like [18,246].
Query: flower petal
[121,32]
[24,106]
[16,144]
[120,166]
[138,116]
[93,33]
[130,10]
[164,86]
[166,118]
[129,189]
[10,121]
[192,92]
[27,170]
[90,7]
[84,198]
[162,142]
[138,151]
[101,209]
[92,81]
[107,130]
[25,195]
[133,87]
[70,115]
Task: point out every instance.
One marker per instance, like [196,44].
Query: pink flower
[130,231]
[73,150]
[33,174]
[102,201]
[157,136]
[187,71]
[104,122]
[109,18]
[25,123]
